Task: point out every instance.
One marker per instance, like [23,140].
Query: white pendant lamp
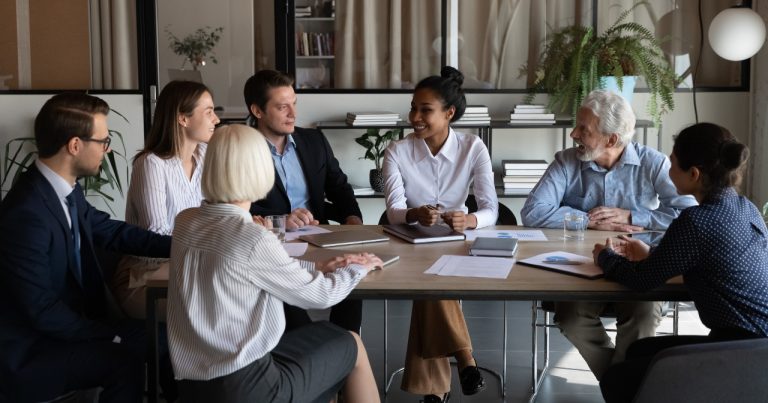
[737,33]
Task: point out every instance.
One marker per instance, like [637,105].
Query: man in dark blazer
[306,175]
[57,330]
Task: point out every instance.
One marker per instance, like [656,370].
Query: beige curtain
[386,43]
[491,53]
[114,56]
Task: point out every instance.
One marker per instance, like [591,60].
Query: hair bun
[452,74]
[733,154]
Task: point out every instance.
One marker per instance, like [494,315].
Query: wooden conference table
[405,279]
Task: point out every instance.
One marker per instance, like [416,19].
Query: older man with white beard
[621,186]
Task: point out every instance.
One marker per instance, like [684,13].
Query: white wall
[17,114]
[234,50]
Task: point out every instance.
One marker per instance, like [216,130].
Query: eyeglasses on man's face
[104,142]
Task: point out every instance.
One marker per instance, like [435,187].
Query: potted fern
[375,144]
[576,61]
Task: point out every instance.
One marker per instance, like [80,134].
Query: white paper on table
[308,230]
[295,248]
[520,234]
[472,266]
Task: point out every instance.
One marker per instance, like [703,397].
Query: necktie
[72,206]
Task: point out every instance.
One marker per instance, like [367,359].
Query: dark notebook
[420,234]
[486,246]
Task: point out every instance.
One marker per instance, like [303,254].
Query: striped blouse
[160,189]
[228,280]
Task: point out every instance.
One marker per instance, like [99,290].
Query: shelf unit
[485,132]
[314,45]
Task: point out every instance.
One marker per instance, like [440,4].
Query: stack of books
[315,44]
[362,190]
[531,115]
[372,118]
[475,115]
[520,176]
[302,11]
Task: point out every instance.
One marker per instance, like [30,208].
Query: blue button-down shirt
[289,170]
[638,182]
[721,250]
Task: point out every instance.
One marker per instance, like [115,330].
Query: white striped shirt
[160,189]
[228,280]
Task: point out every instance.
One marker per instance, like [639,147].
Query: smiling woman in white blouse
[229,277]
[427,176]
[165,179]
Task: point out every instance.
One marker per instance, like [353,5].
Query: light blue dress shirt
[638,182]
[291,174]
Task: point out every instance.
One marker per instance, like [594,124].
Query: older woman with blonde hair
[229,278]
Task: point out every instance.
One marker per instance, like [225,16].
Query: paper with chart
[520,234]
[472,266]
[291,235]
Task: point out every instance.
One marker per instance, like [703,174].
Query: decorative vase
[627,89]
[377,180]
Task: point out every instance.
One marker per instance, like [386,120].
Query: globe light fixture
[737,33]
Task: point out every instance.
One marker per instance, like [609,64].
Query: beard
[587,155]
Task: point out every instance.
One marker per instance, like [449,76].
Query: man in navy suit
[57,330]
[306,175]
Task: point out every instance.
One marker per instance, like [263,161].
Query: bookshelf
[314,43]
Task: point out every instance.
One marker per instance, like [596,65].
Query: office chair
[548,307]
[506,217]
[731,371]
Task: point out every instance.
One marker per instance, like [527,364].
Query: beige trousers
[438,331]
[579,321]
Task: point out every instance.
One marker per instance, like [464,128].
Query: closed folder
[486,246]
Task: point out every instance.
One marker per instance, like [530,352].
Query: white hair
[238,166]
[613,112]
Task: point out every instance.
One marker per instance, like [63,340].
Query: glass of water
[574,225]
[276,224]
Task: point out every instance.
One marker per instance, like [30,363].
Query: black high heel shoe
[436,399]
[471,380]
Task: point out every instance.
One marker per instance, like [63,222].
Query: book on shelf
[530,106]
[516,191]
[373,116]
[470,109]
[521,179]
[524,172]
[532,116]
[487,246]
[417,233]
[362,190]
[519,185]
[531,122]
[531,110]
[358,122]
[524,164]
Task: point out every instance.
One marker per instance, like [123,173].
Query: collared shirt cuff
[641,218]
[484,218]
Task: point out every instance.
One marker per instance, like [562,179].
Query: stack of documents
[372,118]
[531,114]
[472,266]
[362,190]
[475,115]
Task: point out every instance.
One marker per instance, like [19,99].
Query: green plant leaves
[375,143]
